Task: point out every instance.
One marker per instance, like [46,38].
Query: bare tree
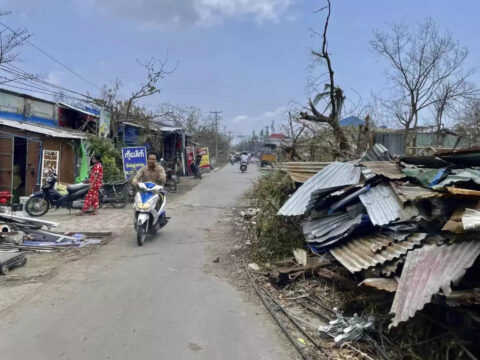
[10,42]
[291,146]
[450,95]
[469,124]
[334,93]
[155,71]
[422,63]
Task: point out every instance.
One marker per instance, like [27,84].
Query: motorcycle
[243,166]
[171,181]
[196,171]
[40,202]
[149,206]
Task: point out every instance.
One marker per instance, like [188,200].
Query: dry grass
[274,237]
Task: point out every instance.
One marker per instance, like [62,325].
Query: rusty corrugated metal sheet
[359,253]
[389,285]
[409,192]
[427,271]
[389,169]
[301,171]
[334,176]
[384,206]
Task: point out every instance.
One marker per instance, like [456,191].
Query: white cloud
[245,124]
[161,13]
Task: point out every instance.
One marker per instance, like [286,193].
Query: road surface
[150,302]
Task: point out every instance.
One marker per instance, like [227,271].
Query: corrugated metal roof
[334,176]
[357,254]
[301,171]
[390,267]
[409,192]
[63,133]
[377,153]
[71,107]
[388,169]
[383,206]
[427,271]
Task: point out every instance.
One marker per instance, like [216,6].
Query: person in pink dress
[96,176]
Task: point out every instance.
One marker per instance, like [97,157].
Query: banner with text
[133,159]
[205,162]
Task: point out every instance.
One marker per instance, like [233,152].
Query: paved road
[150,302]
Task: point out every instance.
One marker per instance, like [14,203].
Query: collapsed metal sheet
[389,169]
[389,285]
[408,192]
[357,254]
[332,177]
[459,176]
[383,206]
[427,271]
[323,233]
[301,171]
[377,153]
[471,220]
[423,175]
[30,220]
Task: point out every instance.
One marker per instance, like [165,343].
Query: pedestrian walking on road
[96,177]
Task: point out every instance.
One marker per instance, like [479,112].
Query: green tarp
[83,171]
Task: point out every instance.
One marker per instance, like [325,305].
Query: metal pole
[216,113]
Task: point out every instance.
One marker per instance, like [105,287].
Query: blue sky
[248,58]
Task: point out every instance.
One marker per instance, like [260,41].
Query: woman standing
[96,176]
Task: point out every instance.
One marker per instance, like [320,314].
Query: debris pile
[407,226]
[20,234]
[345,329]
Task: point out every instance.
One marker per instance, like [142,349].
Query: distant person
[196,166]
[244,158]
[153,172]
[95,181]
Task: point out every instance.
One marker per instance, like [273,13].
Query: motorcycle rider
[244,158]
[153,172]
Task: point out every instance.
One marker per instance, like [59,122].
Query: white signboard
[50,161]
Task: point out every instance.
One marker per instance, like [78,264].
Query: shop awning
[63,133]
[71,107]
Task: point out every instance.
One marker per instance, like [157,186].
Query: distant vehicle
[243,166]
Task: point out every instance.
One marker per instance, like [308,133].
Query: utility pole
[216,113]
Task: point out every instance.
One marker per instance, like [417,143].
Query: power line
[50,56]
[28,77]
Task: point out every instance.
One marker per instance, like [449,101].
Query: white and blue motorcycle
[149,206]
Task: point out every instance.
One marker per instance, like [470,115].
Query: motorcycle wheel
[171,186]
[120,200]
[37,206]
[141,233]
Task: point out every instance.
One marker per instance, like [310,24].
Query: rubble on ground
[20,234]
[402,231]
[371,214]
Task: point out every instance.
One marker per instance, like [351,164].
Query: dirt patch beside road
[41,267]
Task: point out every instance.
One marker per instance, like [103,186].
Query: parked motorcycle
[196,171]
[171,181]
[243,166]
[40,202]
[149,205]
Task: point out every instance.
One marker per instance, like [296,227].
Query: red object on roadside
[5,196]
